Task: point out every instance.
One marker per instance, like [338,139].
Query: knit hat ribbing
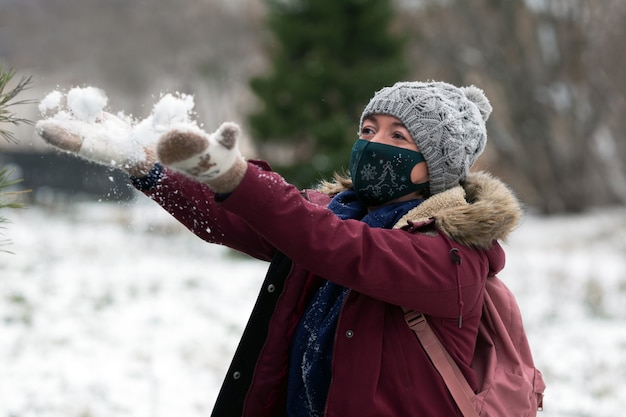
[446,122]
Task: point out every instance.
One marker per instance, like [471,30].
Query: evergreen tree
[328,59]
[7,198]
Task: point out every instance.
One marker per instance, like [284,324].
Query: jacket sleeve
[196,206]
[408,269]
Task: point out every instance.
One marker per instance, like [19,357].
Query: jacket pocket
[399,350]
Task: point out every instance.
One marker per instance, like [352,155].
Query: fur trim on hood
[477,212]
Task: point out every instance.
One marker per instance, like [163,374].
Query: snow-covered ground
[111,309]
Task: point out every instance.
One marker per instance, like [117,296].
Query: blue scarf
[312,345]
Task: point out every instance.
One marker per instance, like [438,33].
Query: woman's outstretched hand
[211,158]
[169,135]
[106,141]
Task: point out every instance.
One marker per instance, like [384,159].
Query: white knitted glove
[213,159]
[77,123]
[106,141]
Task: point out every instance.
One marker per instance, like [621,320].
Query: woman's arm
[196,206]
[407,269]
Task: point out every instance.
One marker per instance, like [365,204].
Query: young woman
[410,228]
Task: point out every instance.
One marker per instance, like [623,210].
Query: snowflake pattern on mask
[368,172]
[387,183]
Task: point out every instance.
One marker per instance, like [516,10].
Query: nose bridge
[379,137]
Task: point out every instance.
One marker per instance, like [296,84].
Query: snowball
[86,103]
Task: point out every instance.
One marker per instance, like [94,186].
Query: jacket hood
[477,212]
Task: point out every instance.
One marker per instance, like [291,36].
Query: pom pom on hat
[478,97]
[446,122]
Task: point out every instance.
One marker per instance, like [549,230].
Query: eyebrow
[370,117]
[373,118]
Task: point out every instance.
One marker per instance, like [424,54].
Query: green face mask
[381,173]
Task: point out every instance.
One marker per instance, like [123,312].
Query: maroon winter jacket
[379,367]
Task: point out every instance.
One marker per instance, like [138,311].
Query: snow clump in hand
[50,102]
[87,103]
[82,112]
[83,104]
[169,112]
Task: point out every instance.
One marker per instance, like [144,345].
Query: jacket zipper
[254,372]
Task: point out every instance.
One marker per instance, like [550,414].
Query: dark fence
[56,177]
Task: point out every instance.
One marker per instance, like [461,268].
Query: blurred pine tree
[328,59]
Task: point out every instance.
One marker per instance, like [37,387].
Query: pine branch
[8,198]
[6,97]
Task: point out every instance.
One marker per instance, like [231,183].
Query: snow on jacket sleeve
[195,205]
[412,270]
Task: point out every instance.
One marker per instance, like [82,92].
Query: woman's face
[388,130]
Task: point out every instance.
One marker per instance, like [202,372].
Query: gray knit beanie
[446,122]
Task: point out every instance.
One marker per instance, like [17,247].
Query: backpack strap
[452,376]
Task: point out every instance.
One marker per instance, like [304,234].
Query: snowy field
[110,309]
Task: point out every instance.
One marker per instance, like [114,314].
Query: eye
[399,136]
[367,131]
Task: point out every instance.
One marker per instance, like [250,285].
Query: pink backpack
[511,385]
